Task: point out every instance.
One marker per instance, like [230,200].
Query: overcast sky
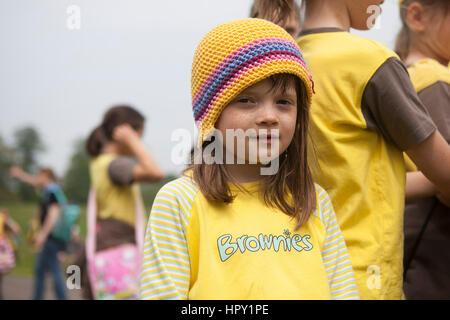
[138,52]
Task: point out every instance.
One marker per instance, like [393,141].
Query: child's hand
[38,241]
[125,134]
[15,171]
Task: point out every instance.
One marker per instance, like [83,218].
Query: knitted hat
[234,56]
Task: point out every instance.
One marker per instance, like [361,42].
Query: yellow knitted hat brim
[235,56]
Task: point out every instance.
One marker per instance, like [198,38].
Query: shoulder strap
[139,222]
[59,194]
[92,224]
[91,215]
[419,237]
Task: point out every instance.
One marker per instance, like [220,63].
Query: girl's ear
[416,17]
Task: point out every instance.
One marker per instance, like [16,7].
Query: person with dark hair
[424,45]
[47,245]
[286,14]
[115,176]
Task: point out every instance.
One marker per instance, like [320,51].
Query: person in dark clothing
[424,45]
[47,246]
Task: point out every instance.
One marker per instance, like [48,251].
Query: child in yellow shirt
[229,229]
[424,46]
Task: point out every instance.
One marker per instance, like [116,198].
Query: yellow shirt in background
[362,171]
[113,201]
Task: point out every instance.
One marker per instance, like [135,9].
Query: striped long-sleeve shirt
[198,249]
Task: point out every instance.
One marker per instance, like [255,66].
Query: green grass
[23,213]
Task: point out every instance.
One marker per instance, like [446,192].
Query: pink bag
[7,257]
[114,272]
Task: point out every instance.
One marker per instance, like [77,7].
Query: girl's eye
[245,101]
[284,102]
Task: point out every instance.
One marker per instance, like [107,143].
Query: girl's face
[267,114]
[362,13]
[437,33]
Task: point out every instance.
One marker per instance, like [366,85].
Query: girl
[114,177]
[49,247]
[424,46]
[224,230]
[267,9]
[9,230]
[365,114]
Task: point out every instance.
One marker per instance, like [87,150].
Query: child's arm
[418,186]
[335,255]
[12,226]
[54,211]
[432,157]
[147,170]
[18,173]
[165,268]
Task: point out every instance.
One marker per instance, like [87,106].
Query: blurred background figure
[114,179]
[424,45]
[9,230]
[284,13]
[47,245]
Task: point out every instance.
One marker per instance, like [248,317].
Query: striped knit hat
[234,56]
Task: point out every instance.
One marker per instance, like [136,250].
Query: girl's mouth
[266,139]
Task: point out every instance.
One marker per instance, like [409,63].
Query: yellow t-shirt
[363,172]
[113,201]
[198,249]
[425,73]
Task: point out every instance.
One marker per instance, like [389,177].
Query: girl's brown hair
[49,173]
[114,117]
[293,175]
[403,42]
[276,11]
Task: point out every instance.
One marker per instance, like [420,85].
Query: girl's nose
[267,114]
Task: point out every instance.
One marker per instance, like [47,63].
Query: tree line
[24,151]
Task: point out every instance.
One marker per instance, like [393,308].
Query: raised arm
[147,170]
[18,173]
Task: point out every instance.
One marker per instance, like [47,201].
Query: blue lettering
[307,243]
[277,241]
[249,247]
[295,239]
[240,242]
[265,242]
[223,247]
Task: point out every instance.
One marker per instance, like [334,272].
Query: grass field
[23,213]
